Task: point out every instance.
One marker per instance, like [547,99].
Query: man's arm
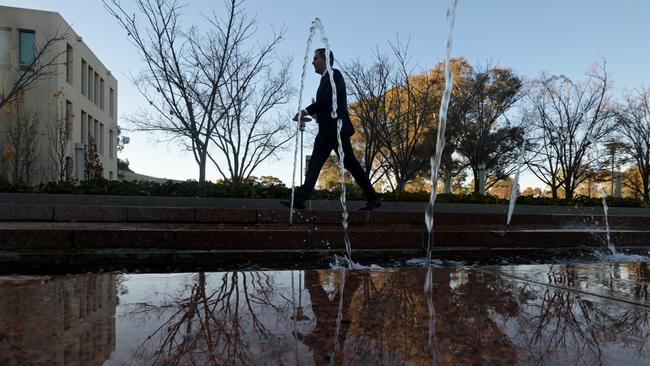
[323,101]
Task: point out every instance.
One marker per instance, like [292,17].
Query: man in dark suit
[326,139]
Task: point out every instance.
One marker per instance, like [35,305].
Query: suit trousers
[323,146]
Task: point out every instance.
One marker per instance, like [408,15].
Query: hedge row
[280,191]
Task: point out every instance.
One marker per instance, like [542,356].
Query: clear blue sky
[560,37]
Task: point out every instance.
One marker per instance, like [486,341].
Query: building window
[84,127]
[5,44]
[84,76]
[101,138]
[68,64]
[96,134]
[96,96]
[27,46]
[91,129]
[111,102]
[69,117]
[111,147]
[101,93]
[91,87]
[110,175]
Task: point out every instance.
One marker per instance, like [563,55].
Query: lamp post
[299,314]
[481,179]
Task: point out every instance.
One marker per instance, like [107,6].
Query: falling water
[515,185]
[435,164]
[312,29]
[432,341]
[440,142]
[339,124]
[294,318]
[339,320]
[603,195]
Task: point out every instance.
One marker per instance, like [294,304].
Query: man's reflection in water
[321,340]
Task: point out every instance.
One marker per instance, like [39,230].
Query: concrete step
[168,236]
[56,246]
[143,214]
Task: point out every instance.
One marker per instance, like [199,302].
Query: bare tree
[570,117]
[22,141]
[43,65]
[59,130]
[246,135]
[634,127]
[187,79]
[406,133]
[369,86]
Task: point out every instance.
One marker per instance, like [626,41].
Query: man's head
[320,62]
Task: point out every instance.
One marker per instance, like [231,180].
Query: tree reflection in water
[562,326]
[220,326]
[483,316]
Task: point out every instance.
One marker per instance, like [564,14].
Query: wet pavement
[581,313]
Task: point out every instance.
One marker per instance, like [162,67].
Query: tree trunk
[401,185]
[202,163]
[554,192]
[568,192]
[447,181]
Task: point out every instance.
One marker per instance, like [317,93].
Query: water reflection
[62,321]
[627,281]
[216,319]
[324,339]
[484,315]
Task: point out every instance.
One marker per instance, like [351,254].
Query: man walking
[326,139]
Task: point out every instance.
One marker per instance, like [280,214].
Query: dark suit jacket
[322,107]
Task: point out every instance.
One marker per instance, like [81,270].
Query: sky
[529,36]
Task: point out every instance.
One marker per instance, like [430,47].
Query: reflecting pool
[589,313]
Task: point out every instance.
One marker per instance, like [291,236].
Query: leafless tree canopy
[246,135]
[407,133]
[394,110]
[634,127]
[369,86]
[570,117]
[22,142]
[202,85]
[59,130]
[47,56]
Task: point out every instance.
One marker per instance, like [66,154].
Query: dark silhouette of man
[326,139]
[322,339]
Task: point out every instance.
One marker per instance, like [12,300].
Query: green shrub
[280,191]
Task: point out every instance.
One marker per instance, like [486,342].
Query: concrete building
[86,99]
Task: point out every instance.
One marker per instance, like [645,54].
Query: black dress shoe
[371,205]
